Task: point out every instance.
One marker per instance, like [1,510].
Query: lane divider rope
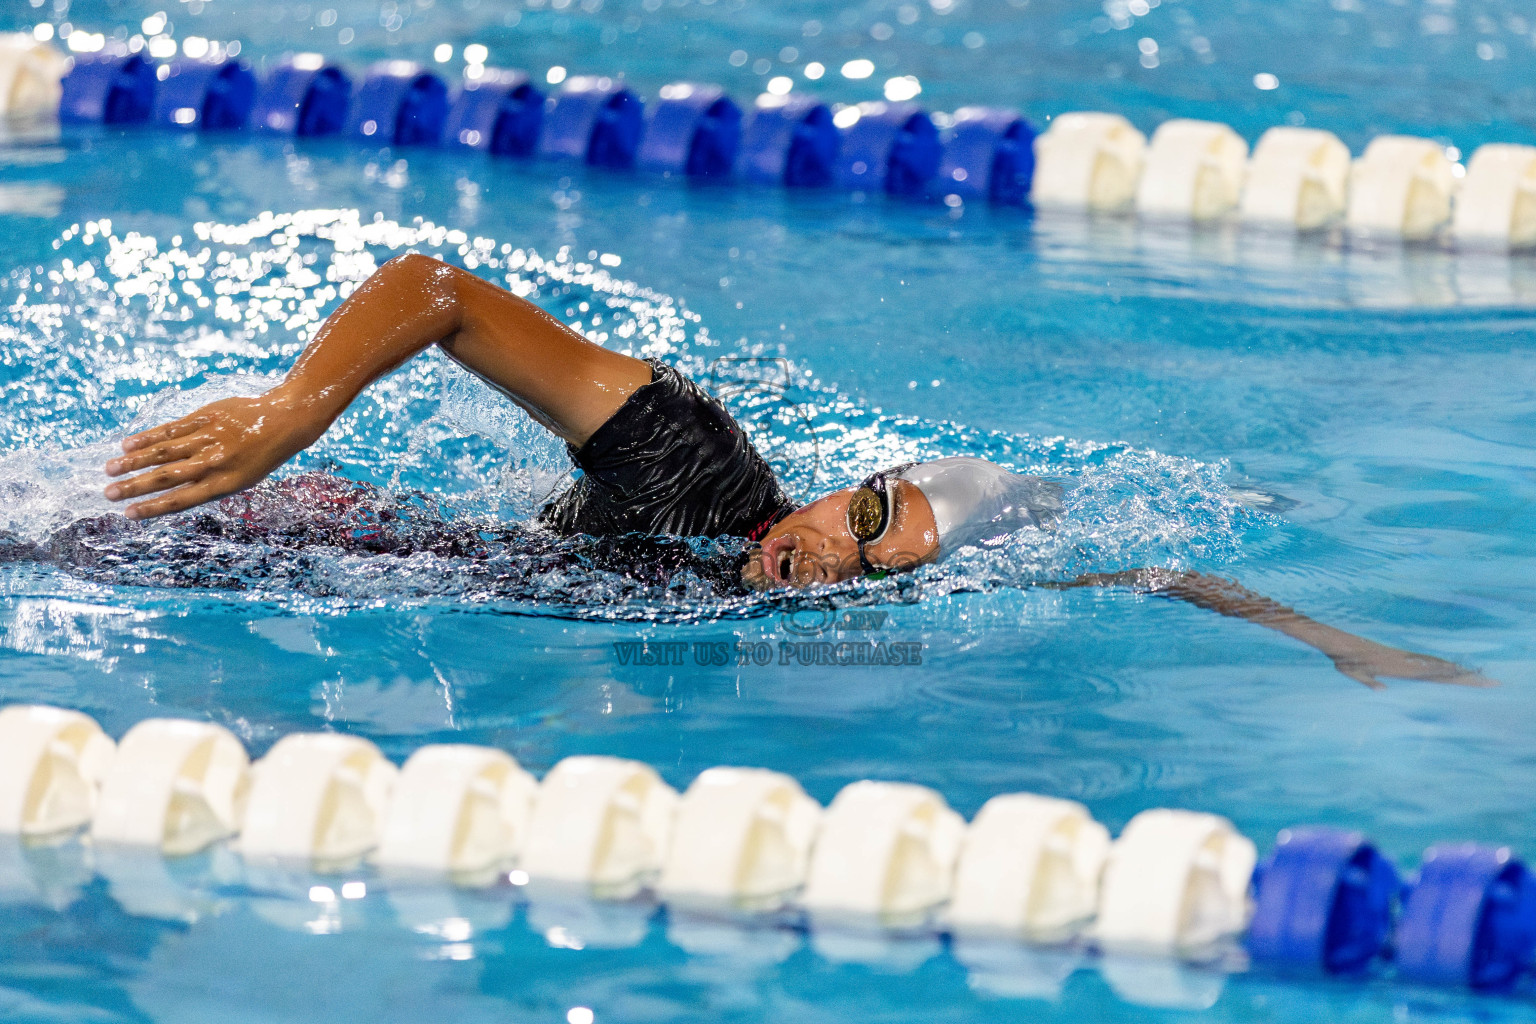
[1200,172]
[1033,871]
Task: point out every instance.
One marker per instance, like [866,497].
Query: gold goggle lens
[864,513]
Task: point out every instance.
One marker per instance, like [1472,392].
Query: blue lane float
[890,147]
[989,154]
[790,141]
[208,95]
[400,103]
[108,87]
[1323,902]
[597,120]
[303,95]
[1470,919]
[694,130]
[500,113]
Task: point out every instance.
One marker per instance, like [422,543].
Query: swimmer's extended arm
[566,382]
[1361,659]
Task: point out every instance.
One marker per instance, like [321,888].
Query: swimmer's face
[814,544]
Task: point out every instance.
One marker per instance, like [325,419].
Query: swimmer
[658,457]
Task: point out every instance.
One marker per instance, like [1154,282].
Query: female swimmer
[658,457]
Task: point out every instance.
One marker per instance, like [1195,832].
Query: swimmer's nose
[818,565]
[836,556]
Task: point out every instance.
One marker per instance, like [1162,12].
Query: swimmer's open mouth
[778,559]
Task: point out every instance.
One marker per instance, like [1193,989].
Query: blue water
[1346,430]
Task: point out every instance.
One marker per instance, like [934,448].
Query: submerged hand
[1356,657]
[1364,660]
[219,449]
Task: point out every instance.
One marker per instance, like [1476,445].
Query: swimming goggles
[869,517]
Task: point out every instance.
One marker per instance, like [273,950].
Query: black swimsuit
[672,460]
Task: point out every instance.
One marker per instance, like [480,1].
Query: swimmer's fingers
[164,478]
[166,431]
[1437,670]
[157,455]
[1367,665]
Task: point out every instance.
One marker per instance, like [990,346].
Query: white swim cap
[975,501]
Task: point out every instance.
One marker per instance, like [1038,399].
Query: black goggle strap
[869,568]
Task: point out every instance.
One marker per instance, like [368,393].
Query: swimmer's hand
[219,449]
[1362,660]
[1365,660]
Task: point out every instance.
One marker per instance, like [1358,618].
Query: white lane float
[1175,882]
[1173,887]
[599,821]
[175,785]
[1401,187]
[886,854]
[52,761]
[1496,205]
[30,77]
[1298,178]
[320,796]
[1194,170]
[456,808]
[1088,161]
[742,836]
[1029,868]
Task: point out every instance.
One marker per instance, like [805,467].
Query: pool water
[1345,429]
